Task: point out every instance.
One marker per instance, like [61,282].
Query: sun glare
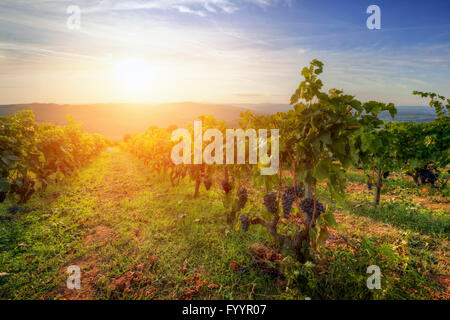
[134,75]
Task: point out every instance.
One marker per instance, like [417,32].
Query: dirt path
[124,177]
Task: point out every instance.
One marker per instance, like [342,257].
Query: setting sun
[134,75]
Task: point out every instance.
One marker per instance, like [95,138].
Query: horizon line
[230,104]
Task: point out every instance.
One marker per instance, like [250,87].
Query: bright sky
[223,51]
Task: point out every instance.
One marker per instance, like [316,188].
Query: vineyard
[352,191]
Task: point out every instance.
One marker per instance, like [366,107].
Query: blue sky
[223,51]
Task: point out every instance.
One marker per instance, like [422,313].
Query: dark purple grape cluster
[299,191]
[287,199]
[226,186]
[242,197]
[307,206]
[271,202]
[208,183]
[386,174]
[369,185]
[245,223]
[2,196]
[427,176]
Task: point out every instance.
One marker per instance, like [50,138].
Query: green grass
[136,237]
[409,216]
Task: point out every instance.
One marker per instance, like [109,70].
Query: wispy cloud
[209,50]
[197,7]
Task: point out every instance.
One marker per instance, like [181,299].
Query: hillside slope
[115,120]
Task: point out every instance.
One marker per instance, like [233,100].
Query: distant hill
[115,120]
[264,108]
[411,113]
[404,113]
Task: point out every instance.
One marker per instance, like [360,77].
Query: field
[135,236]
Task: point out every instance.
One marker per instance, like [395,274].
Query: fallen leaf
[213,286]
[140,267]
[152,260]
[183,269]
[234,265]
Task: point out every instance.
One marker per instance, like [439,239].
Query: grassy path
[136,237]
